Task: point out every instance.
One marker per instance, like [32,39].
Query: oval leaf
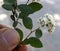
[7,7]
[15,24]
[10,1]
[22,15]
[25,42]
[34,42]
[28,22]
[35,6]
[38,33]
[20,33]
[25,9]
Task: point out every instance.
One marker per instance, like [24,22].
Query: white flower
[51,29]
[48,22]
[42,21]
[49,16]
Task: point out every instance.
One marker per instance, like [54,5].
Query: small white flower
[42,22]
[48,22]
[45,19]
[49,16]
[51,29]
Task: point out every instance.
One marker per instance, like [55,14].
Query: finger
[21,48]
[10,36]
[2,29]
[3,45]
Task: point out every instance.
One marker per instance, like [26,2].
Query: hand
[9,38]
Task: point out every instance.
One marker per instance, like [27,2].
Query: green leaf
[15,24]
[25,9]
[35,6]
[12,17]
[34,42]
[20,33]
[38,33]
[7,7]
[28,22]
[25,42]
[10,1]
[22,15]
[9,4]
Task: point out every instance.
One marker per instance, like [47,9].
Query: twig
[19,23]
[27,2]
[31,33]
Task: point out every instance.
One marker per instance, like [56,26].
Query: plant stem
[15,15]
[27,2]
[31,33]
[19,23]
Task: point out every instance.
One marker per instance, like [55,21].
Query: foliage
[24,10]
[48,22]
[38,33]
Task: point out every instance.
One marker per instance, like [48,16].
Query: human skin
[21,48]
[9,38]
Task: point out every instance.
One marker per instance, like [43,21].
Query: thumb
[10,37]
[3,45]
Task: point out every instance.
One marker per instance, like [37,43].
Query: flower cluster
[48,22]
